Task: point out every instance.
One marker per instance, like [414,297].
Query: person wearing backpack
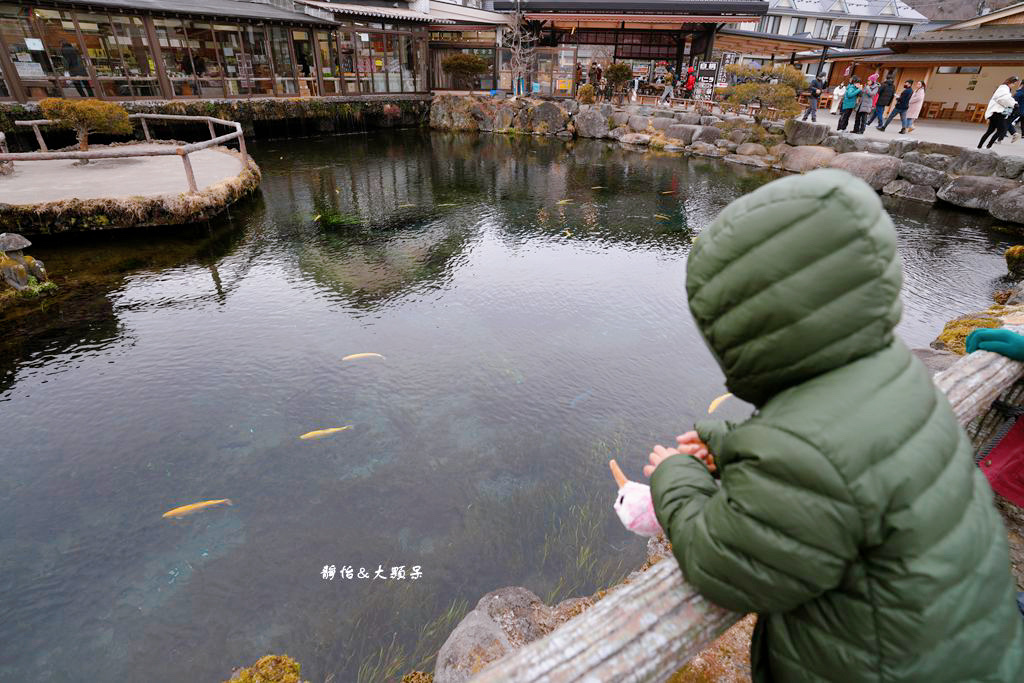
[849,102]
[814,91]
[902,104]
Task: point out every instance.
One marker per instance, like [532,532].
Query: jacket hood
[795,279]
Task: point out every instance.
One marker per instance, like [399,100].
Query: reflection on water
[527,295]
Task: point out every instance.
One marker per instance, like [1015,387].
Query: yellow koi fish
[194,507]
[357,356]
[316,218]
[446,204]
[669,192]
[662,217]
[597,187]
[717,402]
[321,433]
[406,206]
[565,201]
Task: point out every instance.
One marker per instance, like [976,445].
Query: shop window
[206,63]
[958,70]
[27,52]
[173,41]
[347,58]
[306,62]
[63,53]
[329,63]
[254,67]
[105,53]
[280,52]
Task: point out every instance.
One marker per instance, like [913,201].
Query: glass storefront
[77,53]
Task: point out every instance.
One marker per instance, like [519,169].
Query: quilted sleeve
[780,530]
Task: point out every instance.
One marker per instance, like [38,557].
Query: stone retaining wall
[908,168]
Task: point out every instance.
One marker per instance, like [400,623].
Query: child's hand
[658,456]
[691,444]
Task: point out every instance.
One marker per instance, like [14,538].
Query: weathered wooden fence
[127,151]
[651,627]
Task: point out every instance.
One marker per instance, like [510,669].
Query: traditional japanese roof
[886,56]
[891,11]
[229,9]
[675,8]
[735,40]
[997,33]
[393,13]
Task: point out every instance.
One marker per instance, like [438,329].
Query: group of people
[1004,108]
[594,76]
[867,102]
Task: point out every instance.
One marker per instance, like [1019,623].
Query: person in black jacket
[1015,115]
[902,104]
[885,96]
[814,96]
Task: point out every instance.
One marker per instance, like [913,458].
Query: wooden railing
[122,152]
[650,628]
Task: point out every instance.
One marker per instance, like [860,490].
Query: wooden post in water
[188,171]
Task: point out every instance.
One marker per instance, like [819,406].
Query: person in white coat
[837,97]
[998,111]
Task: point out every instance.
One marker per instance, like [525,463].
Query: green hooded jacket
[850,514]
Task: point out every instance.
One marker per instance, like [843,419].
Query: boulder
[747,160]
[1009,206]
[688,118]
[908,190]
[937,161]
[920,174]
[976,192]
[975,162]
[807,158]
[638,123]
[673,148]
[659,123]
[709,120]
[14,274]
[620,118]
[779,149]
[503,621]
[752,148]
[939,148]
[663,114]
[1015,297]
[805,133]
[707,134]
[727,145]
[704,149]
[876,147]
[682,131]
[848,142]
[897,148]
[775,127]
[635,139]
[548,118]
[591,124]
[831,141]
[618,133]
[1010,166]
[504,118]
[606,109]
[571,106]
[877,171]
[740,135]
[936,361]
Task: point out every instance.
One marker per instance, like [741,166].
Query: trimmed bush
[585,95]
[86,116]
[464,68]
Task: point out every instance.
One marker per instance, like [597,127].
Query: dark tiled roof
[235,9]
[999,33]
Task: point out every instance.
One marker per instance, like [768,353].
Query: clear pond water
[527,296]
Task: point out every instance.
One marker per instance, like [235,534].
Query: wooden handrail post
[39,137]
[213,133]
[145,129]
[241,146]
[189,175]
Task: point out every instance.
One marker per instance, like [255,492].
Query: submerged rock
[1014,263]
[269,669]
[976,192]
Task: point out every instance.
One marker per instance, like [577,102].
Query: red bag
[1004,465]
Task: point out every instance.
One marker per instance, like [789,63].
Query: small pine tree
[585,95]
[618,74]
[772,88]
[86,116]
[464,68]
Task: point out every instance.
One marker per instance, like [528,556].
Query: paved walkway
[35,182]
[948,132]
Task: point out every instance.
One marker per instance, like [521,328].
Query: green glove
[998,340]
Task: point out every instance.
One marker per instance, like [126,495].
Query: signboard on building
[707,72]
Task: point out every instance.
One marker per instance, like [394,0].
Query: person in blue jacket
[901,107]
[849,102]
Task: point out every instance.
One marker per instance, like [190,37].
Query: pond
[527,298]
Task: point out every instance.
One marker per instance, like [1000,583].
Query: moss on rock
[954,335]
[1015,260]
[269,669]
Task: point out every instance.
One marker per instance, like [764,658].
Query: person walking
[914,108]
[594,75]
[849,102]
[691,83]
[902,103]
[865,105]
[883,99]
[669,90]
[814,91]
[837,97]
[998,112]
[1018,112]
